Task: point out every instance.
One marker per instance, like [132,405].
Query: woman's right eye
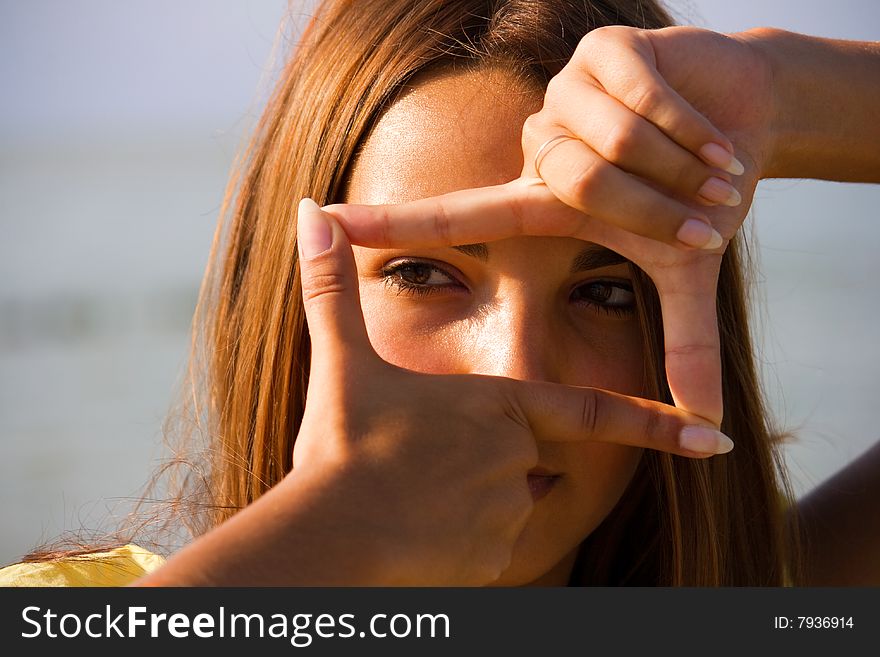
[417,277]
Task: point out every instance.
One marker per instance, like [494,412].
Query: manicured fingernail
[704,440]
[699,234]
[720,157]
[314,233]
[720,191]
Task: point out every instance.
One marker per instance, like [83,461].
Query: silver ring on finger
[545,148]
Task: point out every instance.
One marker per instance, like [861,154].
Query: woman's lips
[540,484]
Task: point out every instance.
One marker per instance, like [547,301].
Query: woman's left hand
[627,161]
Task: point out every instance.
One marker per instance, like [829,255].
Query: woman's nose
[515,341]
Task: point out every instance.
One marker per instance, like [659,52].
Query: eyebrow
[479,250]
[592,256]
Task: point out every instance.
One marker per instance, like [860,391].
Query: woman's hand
[434,468]
[654,116]
[649,170]
[402,478]
[628,159]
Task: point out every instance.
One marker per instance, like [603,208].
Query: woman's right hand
[403,478]
[432,469]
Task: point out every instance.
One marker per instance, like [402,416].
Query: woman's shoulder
[119,566]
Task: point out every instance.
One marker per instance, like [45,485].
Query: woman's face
[531,308]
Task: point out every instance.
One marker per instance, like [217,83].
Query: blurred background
[118,126]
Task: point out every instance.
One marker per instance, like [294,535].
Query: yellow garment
[117,567]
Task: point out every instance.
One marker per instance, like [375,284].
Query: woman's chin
[541,556]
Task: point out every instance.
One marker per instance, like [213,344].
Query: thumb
[330,288]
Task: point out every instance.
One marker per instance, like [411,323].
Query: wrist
[302,532]
[823,95]
[765,44]
[328,537]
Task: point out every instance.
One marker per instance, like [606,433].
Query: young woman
[479,392]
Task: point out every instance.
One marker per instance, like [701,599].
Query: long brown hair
[713,522]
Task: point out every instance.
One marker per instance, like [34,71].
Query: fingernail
[314,233]
[720,191]
[720,157]
[704,440]
[699,234]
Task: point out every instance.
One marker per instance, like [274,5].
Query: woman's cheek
[525,338]
[404,334]
[611,359]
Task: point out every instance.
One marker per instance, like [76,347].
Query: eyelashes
[418,277]
[611,296]
[424,278]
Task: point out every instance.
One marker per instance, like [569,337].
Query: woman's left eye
[417,277]
[614,297]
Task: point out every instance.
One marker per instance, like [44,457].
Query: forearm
[289,537]
[840,523]
[827,100]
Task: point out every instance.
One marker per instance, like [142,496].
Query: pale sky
[160,64]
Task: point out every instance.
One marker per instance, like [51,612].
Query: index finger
[692,342]
[687,291]
[568,413]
